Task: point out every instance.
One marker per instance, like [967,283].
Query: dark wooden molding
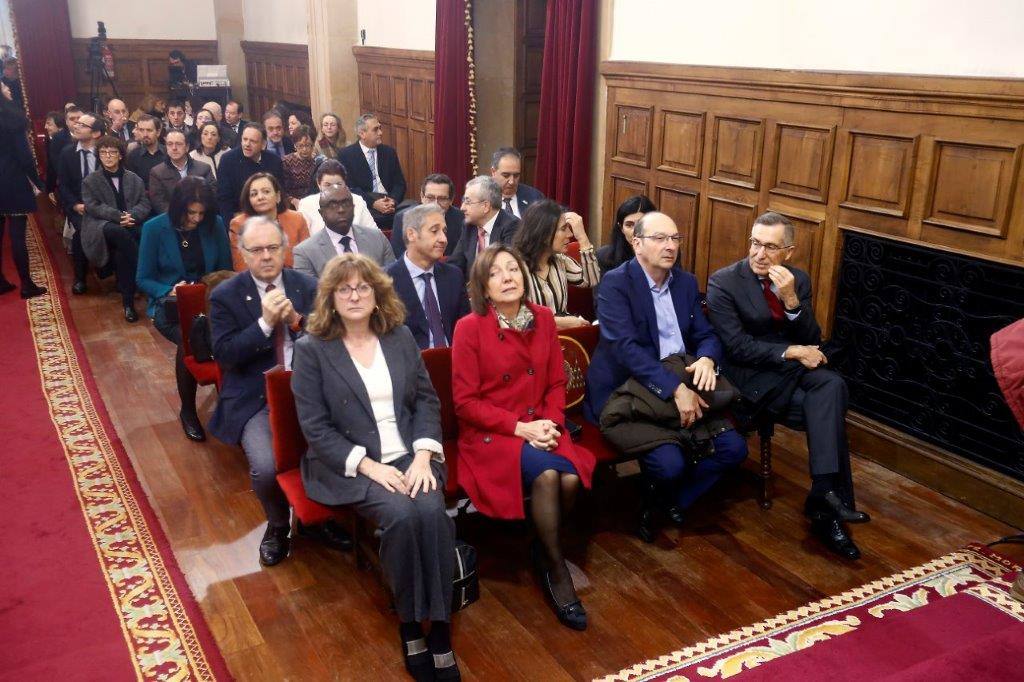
[275,71]
[398,57]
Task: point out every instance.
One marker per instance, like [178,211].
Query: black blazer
[242,350]
[360,181]
[753,345]
[53,149]
[526,195]
[451,298]
[69,178]
[335,412]
[235,168]
[464,255]
[454,221]
[286,142]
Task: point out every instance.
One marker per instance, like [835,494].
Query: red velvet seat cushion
[309,512]
[592,439]
[205,373]
[451,460]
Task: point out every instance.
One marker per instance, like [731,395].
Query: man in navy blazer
[507,169]
[76,162]
[433,292]
[436,188]
[256,316]
[486,223]
[383,184]
[237,165]
[650,309]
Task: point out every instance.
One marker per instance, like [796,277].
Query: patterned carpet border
[154,619]
[977,570]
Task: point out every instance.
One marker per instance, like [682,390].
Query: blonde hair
[325,323]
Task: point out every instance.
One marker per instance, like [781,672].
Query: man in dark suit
[165,177]
[486,223]
[118,124]
[277,142]
[76,162]
[340,236]
[507,169]
[762,310]
[437,188]
[237,165]
[650,309]
[176,119]
[374,172]
[150,153]
[233,123]
[62,138]
[433,292]
[256,316]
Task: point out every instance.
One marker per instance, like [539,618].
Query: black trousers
[19,249]
[819,405]
[123,245]
[81,263]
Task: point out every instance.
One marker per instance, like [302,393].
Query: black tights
[19,249]
[186,383]
[552,497]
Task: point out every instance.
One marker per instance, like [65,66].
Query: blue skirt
[534,462]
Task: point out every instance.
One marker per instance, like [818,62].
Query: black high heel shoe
[571,615]
[445,667]
[419,663]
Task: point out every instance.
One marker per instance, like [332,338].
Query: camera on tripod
[100,65]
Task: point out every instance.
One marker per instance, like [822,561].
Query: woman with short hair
[299,166]
[372,421]
[261,195]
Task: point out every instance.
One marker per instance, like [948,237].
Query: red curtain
[566,116]
[451,93]
[44,41]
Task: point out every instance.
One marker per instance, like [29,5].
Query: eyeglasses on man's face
[769,248]
[662,238]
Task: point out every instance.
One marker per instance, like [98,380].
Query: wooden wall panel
[398,86]
[529,28]
[140,66]
[928,160]
[275,71]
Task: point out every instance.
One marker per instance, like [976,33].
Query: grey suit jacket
[335,413]
[164,178]
[312,255]
[101,208]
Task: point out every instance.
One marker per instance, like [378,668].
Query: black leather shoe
[830,504]
[275,545]
[328,533]
[418,661]
[675,515]
[130,315]
[571,615]
[78,288]
[32,291]
[835,537]
[192,427]
[646,527]
[6,286]
[445,667]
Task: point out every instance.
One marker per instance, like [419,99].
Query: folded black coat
[636,421]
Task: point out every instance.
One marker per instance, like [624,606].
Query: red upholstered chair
[191,302]
[439,366]
[578,344]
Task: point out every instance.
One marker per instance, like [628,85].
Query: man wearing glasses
[485,224]
[255,317]
[436,188]
[761,308]
[76,162]
[650,310]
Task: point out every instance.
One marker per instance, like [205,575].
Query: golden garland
[471,85]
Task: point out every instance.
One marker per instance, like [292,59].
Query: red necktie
[774,304]
[279,332]
[481,239]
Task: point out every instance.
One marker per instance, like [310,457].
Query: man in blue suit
[432,292]
[256,317]
[650,309]
[507,169]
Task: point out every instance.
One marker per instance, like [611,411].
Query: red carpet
[949,619]
[91,590]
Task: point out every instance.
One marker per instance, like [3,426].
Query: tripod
[97,70]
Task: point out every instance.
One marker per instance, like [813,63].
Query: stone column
[230,33]
[333,73]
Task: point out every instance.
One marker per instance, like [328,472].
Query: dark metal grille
[914,324]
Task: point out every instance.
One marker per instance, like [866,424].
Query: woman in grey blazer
[373,424]
[116,205]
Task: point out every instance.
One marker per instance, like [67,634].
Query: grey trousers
[819,405]
[258,447]
[417,546]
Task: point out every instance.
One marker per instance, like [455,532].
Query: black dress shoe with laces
[830,504]
[192,427]
[32,291]
[78,288]
[835,537]
[328,533]
[275,545]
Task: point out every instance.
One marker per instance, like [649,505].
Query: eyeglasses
[770,249]
[363,290]
[270,249]
[109,152]
[438,200]
[662,238]
[470,202]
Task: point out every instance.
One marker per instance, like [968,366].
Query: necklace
[182,234]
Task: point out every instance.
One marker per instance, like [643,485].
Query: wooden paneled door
[530,19]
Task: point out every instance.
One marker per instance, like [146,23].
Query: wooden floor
[315,617]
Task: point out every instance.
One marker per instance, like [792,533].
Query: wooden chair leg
[765,437]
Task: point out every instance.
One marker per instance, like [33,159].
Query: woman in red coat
[508,381]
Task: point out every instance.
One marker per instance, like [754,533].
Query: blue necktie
[433,312]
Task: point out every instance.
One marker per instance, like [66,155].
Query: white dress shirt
[421,289]
[488,228]
[513,205]
[310,207]
[339,247]
[289,345]
[377,379]
[90,158]
[378,184]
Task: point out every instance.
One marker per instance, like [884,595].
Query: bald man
[118,124]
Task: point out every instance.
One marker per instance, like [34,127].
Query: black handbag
[465,583]
[199,338]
